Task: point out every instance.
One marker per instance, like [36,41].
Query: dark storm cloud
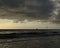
[39,9]
[11,3]
[27,9]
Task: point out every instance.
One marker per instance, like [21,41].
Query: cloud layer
[26,9]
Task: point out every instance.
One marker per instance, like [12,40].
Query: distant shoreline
[29,29]
[34,30]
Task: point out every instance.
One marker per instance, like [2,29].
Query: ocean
[30,42]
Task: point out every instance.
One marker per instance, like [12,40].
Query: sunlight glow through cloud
[9,24]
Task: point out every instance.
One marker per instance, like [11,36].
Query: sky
[10,24]
[29,14]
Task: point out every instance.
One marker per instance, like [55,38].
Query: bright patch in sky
[9,24]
